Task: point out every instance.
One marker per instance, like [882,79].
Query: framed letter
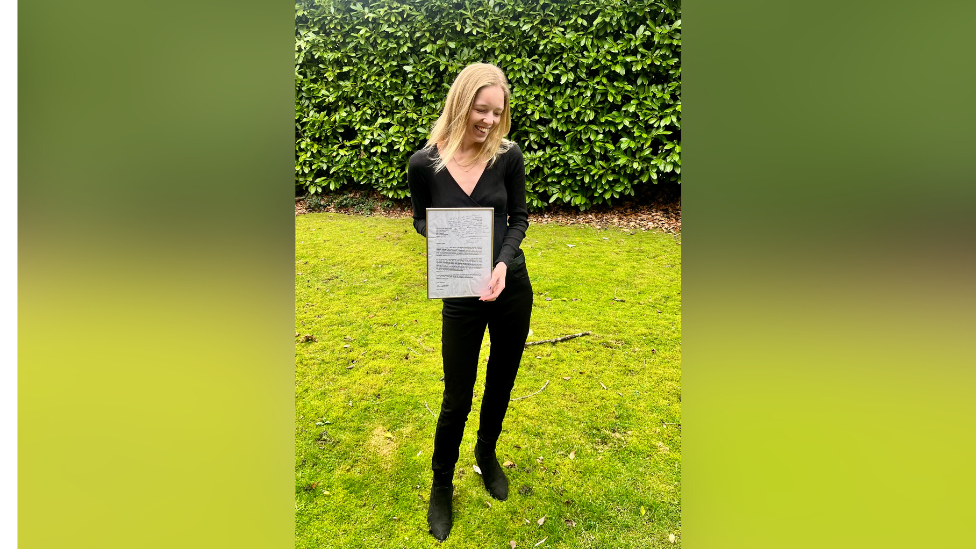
[459,251]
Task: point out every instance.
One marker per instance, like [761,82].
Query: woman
[468,163]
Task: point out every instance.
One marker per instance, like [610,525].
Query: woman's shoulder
[511,151]
[424,158]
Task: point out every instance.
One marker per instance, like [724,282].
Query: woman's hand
[497,282]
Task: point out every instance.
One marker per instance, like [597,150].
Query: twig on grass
[533,394]
[429,410]
[557,340]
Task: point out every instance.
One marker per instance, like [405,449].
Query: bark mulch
[654,208]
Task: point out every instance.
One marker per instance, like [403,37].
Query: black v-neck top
[501,186]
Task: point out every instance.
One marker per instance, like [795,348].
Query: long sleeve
[518,212]
[420,196]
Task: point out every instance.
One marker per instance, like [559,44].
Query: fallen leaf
[539,459]
[540,521]
[516,446]
[642,510]
[570,522]
[550,299]
[572,455]
[671,538]
[488,503]
[345,346]
[349,367]
[508,464]
[477,469]
[540,541]
[512,543]
[297,334]
[347,338]
[566,378]
[571,245]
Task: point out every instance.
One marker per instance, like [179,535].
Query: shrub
[595,90]
[317,202]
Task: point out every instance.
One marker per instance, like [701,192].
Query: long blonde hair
[450,126]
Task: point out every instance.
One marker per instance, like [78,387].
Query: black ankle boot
[491,471]
[439,519]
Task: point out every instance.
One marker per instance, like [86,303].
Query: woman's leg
[508,328]
[462,331]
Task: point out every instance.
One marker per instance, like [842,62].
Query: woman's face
[485,114]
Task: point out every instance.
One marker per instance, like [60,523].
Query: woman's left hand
[497,283]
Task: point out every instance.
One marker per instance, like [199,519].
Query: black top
[501,186]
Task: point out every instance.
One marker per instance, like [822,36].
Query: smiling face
[489,104]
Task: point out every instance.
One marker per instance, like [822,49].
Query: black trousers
[464,322]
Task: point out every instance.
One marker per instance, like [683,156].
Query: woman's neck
[467,149]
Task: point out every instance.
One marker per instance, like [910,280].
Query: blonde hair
[450,126]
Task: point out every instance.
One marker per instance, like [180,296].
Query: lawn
[597,453]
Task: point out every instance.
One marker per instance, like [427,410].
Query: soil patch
[657,207]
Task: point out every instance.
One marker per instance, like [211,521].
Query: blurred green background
[828,265]
[155,267]
[827,372]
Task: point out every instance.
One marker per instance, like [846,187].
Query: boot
[491,471]
[439,518]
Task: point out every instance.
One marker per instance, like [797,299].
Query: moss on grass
[364,436]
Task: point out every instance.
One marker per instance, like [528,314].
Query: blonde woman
[468,163]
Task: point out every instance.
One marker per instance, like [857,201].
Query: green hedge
[596,89]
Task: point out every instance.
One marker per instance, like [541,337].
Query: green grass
[360,292]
